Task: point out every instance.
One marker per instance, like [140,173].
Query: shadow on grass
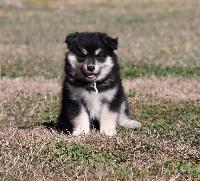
[52,125]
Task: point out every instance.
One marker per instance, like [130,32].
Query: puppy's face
[90,55]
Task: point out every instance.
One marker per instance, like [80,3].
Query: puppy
[92,93]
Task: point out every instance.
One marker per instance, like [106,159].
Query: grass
[166,146]
[128,70]
[52,70]
[150,42]
[19,68]
[90,159]
[158,52]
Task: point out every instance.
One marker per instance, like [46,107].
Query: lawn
[159,43]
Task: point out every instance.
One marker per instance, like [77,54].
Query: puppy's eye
[101,54]
[80,54]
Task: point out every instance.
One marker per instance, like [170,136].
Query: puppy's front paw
[77,132]
[108,132]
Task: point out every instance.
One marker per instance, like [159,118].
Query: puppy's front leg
[81,123]
[108,121]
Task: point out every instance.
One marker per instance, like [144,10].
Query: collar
[95,87]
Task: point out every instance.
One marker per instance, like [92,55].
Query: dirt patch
[165,87]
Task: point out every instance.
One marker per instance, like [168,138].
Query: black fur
[71,107]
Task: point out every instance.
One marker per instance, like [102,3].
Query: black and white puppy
[92,91]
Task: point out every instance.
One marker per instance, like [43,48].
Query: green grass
[53,70]
[171,120]
[29,111]
[20,68]
[128,70]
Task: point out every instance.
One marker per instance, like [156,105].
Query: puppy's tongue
[90,76]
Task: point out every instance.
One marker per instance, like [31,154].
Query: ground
[159,44]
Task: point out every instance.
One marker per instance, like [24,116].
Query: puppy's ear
[71,38]
[112,42]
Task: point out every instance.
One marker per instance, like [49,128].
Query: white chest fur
[93,100]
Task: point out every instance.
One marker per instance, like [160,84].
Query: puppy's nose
[91,68]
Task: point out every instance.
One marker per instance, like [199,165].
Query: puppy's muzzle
[90,71]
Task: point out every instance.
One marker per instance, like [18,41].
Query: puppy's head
[90,55]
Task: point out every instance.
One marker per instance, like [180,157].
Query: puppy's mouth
[90,76]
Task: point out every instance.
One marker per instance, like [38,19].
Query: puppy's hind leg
[130,123]
[125,118]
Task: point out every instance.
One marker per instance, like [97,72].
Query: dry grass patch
[148,30]
[165,147]
[41,154]
[165,87]
[10,88]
